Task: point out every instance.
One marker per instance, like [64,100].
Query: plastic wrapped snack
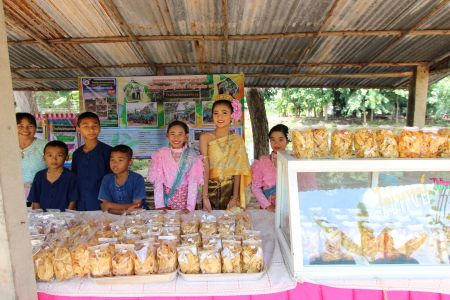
[172,218]
[410,142]
[80,259]
[253,235]
[242,223]
[137,229]
[210,261]
[208,228]
[303,143]
[387,143]
[62,263]
[231,256]
[43,263]
[226,216]
[320,136]
[226,227]
[154,227]
[191,239]
[431,143]
[100,260]
[171,230]
[444,150]
[122,262]
[166,254]
[189,224]
[155,216]
[365,143]
[188,259]
[145,257]
[212,241]
[341,142]
[252,257]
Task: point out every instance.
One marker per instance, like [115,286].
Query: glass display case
[364,218]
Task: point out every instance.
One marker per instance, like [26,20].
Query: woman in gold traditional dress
[227,171]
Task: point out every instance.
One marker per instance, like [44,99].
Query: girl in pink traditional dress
[176,171]
[264,170]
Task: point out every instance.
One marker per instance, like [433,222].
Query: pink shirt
[264,177]
[163,171]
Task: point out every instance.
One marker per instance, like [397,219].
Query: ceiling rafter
[225,32]
[112,11]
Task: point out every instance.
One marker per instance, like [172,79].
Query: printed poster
[99,96]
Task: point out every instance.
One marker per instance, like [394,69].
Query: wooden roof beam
[241,37]
[225,31]
[112,11]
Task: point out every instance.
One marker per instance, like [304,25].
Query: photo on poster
[142,114]
[207,112]
[228,87]
[99,95]
[182,111]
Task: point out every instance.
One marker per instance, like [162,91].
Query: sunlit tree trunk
[258,118]
[26,102]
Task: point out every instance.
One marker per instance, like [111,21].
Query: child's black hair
[57,144]
[224,102]
[178,123]
[24,115]
[280,128]
[87,115]
[123,149]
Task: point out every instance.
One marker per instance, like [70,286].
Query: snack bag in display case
[320,135]
[62,263]
[252,256]
[231,256]
[43,263]
[366,145]
[431,143]
[188,259]
[100,260]
[210,261]
[444,150]
[410,142]
[303,142]
[123,260]
[342,142]
[166,254]
[145,257]
[190,223]
[387,142]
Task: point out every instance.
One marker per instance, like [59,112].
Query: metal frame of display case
[291,247]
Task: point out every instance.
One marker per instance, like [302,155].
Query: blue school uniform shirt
[132,189]
[56,195]
[90,167]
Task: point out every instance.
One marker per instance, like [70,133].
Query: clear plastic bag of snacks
[387,142]
[208,228]
[171,217]
[171,229]
[210,261]
[80,259]
[188,259]
[342,142]
[303,143]
[252,257]
[212,241]
[62,263]
[444,149]
[365,142]
[43,263]
[320,135]
[253,235]
[123,260]
[145,257]
[100,260]
[231,256]
[154,227]
[166,254]
[190,223]
[431,142]
[226,227]
[191,239]
[242,223]
[410,142]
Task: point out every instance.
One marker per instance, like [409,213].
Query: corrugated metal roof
[56,19]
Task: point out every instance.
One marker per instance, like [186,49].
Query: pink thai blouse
[264,176]
[163,171]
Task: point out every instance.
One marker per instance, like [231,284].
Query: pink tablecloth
[306,291]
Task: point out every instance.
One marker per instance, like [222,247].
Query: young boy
[90,162]
[124,190]
[54,187]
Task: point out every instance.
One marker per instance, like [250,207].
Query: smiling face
[278,141]
[177,136]
[55,157]
[26,130]
[89,128]
[119,162]
[222,115]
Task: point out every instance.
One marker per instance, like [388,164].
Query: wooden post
[16,266]
[417,101]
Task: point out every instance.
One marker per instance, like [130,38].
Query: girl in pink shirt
[176,171]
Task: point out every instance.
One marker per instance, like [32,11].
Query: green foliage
[439,99]
[61,101]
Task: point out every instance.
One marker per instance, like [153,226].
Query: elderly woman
[31,148]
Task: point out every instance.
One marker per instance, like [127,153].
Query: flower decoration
[237,110]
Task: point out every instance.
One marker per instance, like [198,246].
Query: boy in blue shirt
[90,162]
[54,187]
[124,190]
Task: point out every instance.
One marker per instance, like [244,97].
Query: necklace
[223,145]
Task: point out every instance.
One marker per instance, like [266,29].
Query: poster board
[136,110]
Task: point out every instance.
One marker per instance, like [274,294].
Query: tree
[439,99]
[260,126]
[61,101]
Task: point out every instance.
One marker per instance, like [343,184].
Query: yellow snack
[387,143]
[100,260]
[410,143]
[431,143]
[252,257]
[365,143]
[188,259]
[80,260]
[444,149]
[302,143]
[208,228]
[226,227]
[320,136]
[43,265]
[231,256]
[62,263]
[210,261]
[191,239]
[145,258]
[212,241]
[122,262]
[242,223]
[166,254]
[341,143]
[190,224]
